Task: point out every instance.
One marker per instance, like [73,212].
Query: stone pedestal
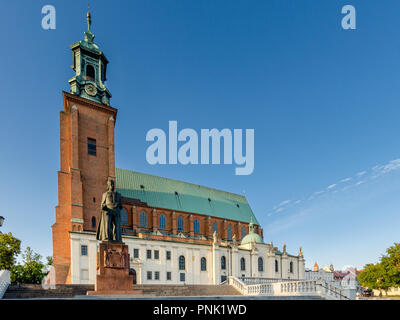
[113,270]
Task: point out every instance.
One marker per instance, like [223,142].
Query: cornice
[89,103]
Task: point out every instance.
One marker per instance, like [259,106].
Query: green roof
[177,195]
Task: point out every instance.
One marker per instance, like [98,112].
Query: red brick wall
[82,177]
[205,221]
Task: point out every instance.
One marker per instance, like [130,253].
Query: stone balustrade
[4,281]
[278,287]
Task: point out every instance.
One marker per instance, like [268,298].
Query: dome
[252,237]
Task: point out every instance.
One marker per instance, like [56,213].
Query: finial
[89,36]
[88,19]
[251,225]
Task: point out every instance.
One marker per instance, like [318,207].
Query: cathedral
[177,232]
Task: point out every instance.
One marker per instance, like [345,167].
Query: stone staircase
[33,291]
[187,290]
[36,291]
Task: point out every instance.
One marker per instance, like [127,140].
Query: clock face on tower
[90,89]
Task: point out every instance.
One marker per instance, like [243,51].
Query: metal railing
[332,291]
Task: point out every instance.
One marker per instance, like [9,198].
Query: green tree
[369,277]
[10,247]
[391,265]
[32,269]
[49,260]
[385,274]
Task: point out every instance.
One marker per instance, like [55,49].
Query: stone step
[26,291]
[187,290]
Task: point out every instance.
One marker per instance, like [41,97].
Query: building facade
[177,232]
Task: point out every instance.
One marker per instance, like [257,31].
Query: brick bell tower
[87,158]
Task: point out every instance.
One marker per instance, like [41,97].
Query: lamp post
[1,221]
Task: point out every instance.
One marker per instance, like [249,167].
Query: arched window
[260,264]
[203,264]
[90,71]
[133,273]
[181,225]
[143,219]
[215,227]
[229,232]
[276,266]
[223,263]
[162,222]
[124,217]
[93,222]
[196,226]
[243,232]
[242,264]
[181,263]
[291,267]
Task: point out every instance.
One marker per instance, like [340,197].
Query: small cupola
[90,66]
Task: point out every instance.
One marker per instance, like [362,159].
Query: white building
[320,274]
[177,262]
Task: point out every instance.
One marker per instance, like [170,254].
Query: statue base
[113,270]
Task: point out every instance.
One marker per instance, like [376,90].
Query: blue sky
[324,103]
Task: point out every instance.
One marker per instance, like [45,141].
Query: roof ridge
[181,181]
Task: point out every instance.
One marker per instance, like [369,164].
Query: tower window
[90,74]
[93,222]
[92,146]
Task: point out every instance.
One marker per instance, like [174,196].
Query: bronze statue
[110,219]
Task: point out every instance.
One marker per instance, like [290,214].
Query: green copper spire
[90,66]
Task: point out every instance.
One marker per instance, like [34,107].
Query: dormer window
[90,74]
